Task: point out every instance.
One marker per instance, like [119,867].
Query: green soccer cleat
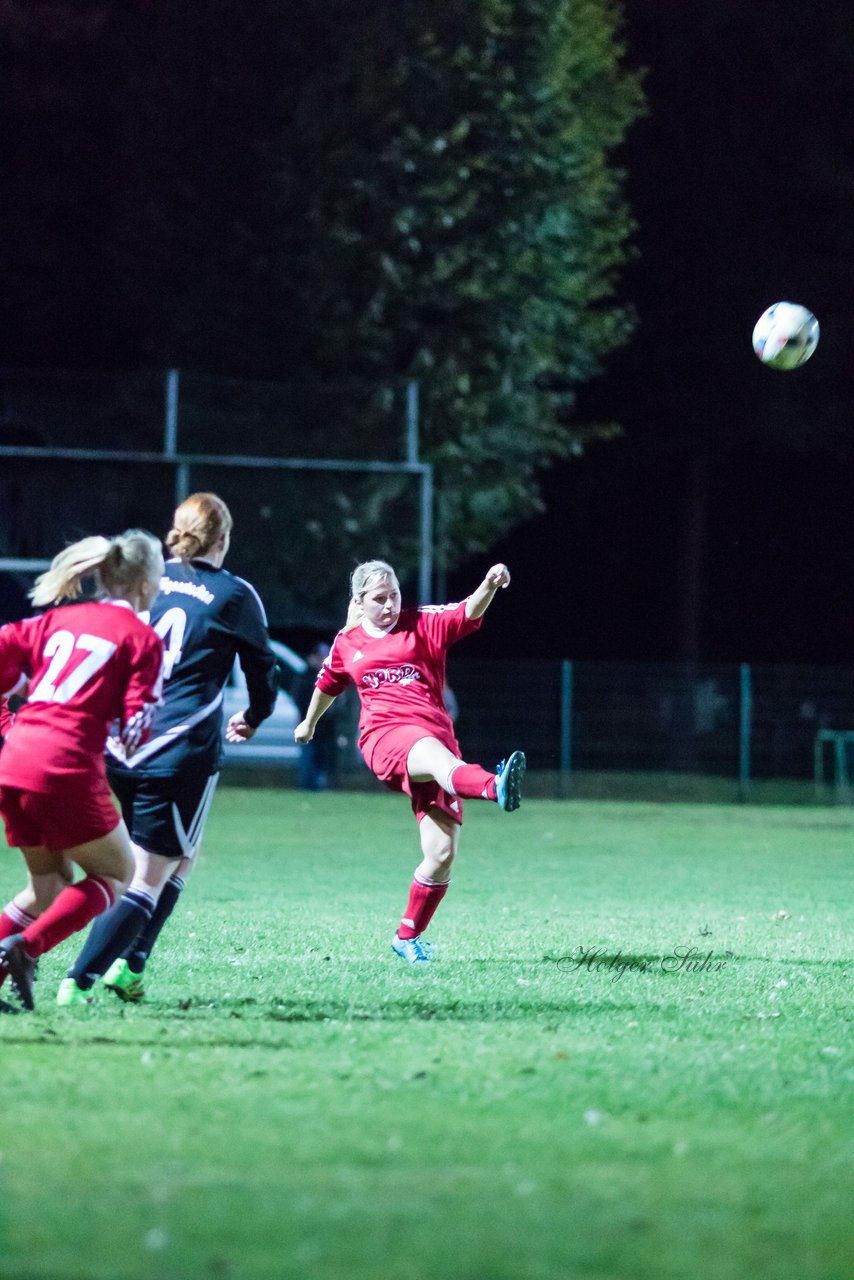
[121,979]
[70,995]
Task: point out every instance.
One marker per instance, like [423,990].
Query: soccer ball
[785,335]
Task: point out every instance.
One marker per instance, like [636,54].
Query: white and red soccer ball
[785,335]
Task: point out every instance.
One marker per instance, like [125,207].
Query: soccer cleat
[20,967]
[508,781]
[69,994]
[121,979]
[412,949]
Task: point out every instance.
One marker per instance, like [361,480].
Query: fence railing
[178,411]
[105,452]
[744,723]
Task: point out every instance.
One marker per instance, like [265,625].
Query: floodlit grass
[293,1101]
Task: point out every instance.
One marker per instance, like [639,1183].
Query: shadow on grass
[607,970]
[302,1012]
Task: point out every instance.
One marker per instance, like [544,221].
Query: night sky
[718,526]
[740,181]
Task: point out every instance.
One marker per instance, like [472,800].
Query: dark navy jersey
[205,617]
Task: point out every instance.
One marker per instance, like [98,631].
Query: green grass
[293,1101]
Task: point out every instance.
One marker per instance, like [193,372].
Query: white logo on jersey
[196,589]
[358,655]
[455,805]
[391,675]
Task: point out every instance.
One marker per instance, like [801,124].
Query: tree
[479,226]
[368,190]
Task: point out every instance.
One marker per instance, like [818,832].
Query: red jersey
[401,674]
[5,717]
[91,667]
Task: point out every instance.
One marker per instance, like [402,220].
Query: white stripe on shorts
[191,839]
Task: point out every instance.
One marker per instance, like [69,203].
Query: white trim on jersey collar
[122,604]
[378,632]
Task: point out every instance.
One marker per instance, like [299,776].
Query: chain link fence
[81,452]
[713,731]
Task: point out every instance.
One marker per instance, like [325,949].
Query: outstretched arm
[320,702]
[481,598]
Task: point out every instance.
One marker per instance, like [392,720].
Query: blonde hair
[119,566]
[363,578]
[198,524]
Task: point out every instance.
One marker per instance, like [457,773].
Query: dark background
[720,525]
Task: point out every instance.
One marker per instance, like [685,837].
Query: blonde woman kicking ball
[396,659]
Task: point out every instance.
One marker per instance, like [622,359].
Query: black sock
[138,952]
[110,935]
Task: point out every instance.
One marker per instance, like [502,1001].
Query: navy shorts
[164,815]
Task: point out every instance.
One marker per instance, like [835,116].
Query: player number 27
[60,648]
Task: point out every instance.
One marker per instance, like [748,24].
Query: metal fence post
[566,723]
[413,415]
[413,458]
[170,435]
[182,482]
[425,564]
[745,717]
[170,422]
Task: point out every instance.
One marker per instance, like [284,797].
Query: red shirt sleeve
[333,677]
[15,658]
[445,624]
[144,689]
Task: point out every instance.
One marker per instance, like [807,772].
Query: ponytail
[62,581]
[199,522]
[355,614]
[119,566]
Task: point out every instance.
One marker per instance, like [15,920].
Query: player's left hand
[498,576]
[237,730]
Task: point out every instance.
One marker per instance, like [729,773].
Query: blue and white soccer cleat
[412,949]
[508,781]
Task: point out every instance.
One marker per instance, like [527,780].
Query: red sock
[472,782]
[423,901]
[69,912]
[13,919]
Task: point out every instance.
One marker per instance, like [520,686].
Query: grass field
[294,1101]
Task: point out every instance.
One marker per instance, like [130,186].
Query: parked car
[273,743]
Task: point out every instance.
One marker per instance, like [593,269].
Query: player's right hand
[304,732]
[498,576]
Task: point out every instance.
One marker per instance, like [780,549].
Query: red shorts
[386,753]
[68,815]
